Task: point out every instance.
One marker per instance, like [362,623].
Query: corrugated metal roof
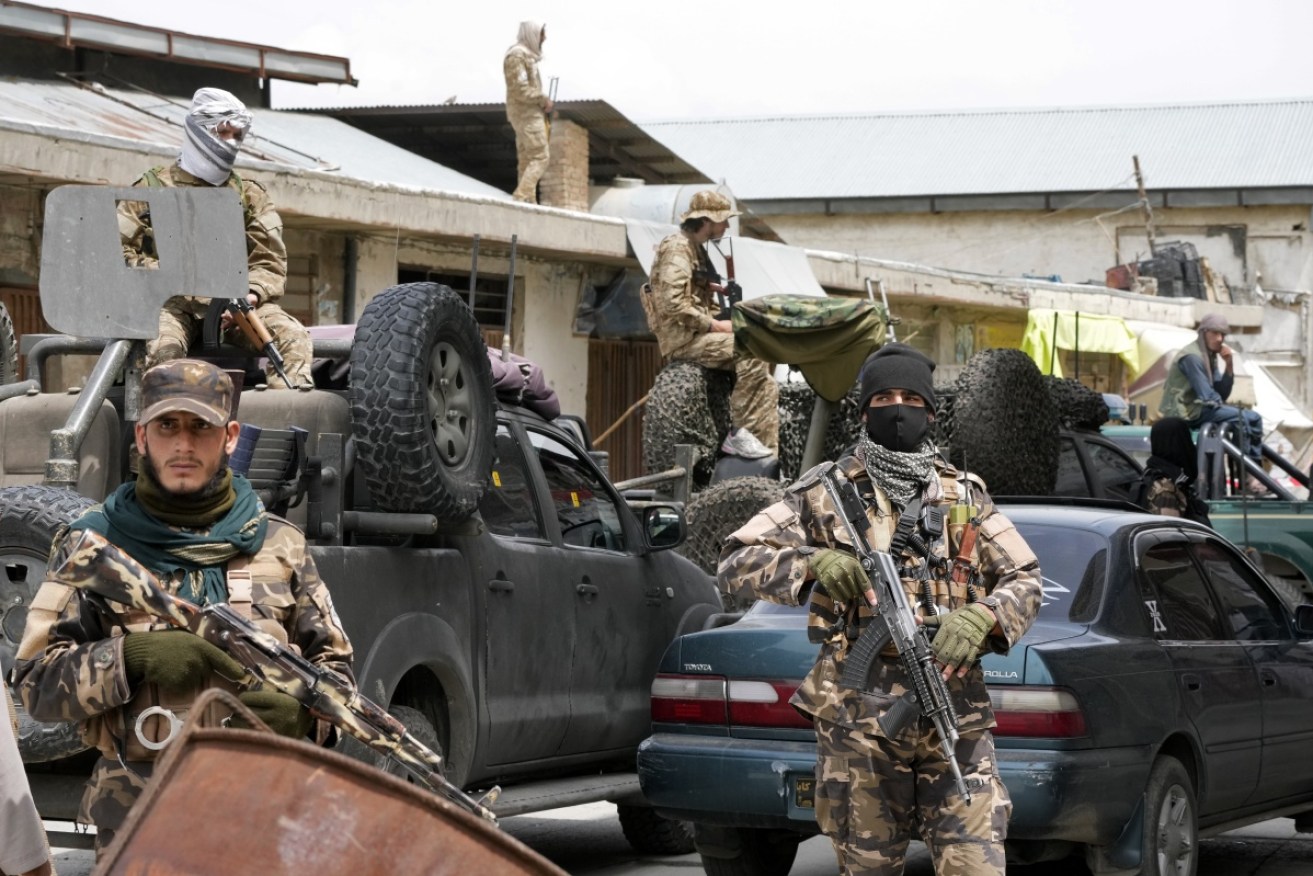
[287,139]
[1207,146]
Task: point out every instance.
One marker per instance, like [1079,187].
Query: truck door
[530,630]
[619,630]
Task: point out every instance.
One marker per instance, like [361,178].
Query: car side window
[508,507]
[1119,476]
[584,507]
[1071,474]
[1176,596]
[1250,608]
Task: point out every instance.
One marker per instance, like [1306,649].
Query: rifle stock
[102,570]
[894,622]
[244,316]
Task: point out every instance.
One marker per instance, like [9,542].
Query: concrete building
[1044,193]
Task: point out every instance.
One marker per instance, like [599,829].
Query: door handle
[1269,679]
[1191,682]
[501,585]
[586,589]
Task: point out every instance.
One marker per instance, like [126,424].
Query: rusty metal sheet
[87,289]
[227,801]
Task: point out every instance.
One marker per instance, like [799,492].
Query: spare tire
[422,404]
[29,518]
[1005,425]
[719,510]
[8,348]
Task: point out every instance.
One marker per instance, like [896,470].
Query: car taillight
[704,699]
[1036,711]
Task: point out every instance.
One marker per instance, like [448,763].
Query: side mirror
[663,527]
[1304,620]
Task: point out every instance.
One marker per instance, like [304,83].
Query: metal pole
[510,301]
[1077,375]
[474,270]
[1145,206]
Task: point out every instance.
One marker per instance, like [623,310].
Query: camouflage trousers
[111,792]
[530,154]
[755,402]
[180,325]
[874,794]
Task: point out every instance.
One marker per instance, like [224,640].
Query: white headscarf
[204,153]
[531,37]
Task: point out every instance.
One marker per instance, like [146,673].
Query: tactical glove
[839,573]
[961,634]
[175,660]
[284,715]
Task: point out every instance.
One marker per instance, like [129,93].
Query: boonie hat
[186,385]
[712,205]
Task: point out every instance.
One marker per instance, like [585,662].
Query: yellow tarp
[1047,329]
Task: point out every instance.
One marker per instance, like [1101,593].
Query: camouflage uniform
[525,106]
[680,307]
[267,276]
[70,664]
[874,792]
[1165,498]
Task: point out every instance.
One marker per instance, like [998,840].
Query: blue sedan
[1162,694]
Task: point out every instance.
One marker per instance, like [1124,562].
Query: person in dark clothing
[1171,473]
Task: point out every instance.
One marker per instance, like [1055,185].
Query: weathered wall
[1239,241]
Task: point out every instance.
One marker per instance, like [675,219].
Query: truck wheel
[29,517]
[760,852]
[1004,424]
[8,348]
[689,404]
[719,510]
[417,724]
[651,834]
[422,405]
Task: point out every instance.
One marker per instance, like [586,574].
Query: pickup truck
[505,601]
[1276,529]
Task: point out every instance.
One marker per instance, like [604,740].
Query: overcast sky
[730,58]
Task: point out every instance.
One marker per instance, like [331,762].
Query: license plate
[804,792]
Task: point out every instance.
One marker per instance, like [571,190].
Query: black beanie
[897,366]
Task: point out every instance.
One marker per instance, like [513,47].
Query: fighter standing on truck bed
[876,788]
[215,128]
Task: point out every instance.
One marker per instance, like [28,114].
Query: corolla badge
[998,673]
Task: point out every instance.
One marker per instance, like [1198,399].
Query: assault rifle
[253,327]
[104,571]
[731,293]
[894,623]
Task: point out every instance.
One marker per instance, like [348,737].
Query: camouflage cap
[712,205]
[186,385]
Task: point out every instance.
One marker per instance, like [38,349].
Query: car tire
[651,834]
[29,518]
[761,852]
[422,406]
[417,724]
[8,348]
[719,510]
[1171,822]
[1002,424]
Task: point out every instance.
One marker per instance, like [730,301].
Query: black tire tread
[389,360]
[651,834]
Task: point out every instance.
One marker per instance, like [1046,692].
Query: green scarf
[167,550]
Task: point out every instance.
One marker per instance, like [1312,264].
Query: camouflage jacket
[69,664]
[524,88]
[768,558]
[678,301]
[266,254]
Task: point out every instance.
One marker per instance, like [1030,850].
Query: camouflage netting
[689,404]
[719,510]
[796,402]
[1000,419]
[1079,407]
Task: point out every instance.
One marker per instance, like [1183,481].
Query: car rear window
[1073,563]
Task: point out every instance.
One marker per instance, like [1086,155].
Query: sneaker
[742,443]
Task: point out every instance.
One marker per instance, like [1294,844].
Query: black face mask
[898,427]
